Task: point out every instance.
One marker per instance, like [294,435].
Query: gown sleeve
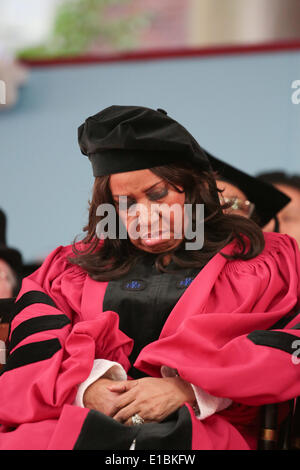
[50,350]
[243,341]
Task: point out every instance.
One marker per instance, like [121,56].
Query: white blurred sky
[24,23]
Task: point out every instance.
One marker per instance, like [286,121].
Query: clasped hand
[152,398]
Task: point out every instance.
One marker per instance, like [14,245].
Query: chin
[162,247]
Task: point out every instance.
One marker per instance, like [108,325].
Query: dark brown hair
[117,256]
[280,177]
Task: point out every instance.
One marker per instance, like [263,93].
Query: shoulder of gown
[62,280]
[268,281]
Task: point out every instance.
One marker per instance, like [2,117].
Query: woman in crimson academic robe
[139,342]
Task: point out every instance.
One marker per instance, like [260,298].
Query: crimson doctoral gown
[234,333]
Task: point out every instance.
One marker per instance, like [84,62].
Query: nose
[145,216]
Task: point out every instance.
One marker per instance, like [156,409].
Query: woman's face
[149,229]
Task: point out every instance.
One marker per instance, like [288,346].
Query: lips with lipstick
[153,238]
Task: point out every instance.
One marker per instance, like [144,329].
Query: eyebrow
[144,191]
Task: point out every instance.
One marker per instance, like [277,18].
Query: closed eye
[156,195]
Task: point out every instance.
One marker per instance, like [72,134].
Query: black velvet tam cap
[268,200]
[128,138]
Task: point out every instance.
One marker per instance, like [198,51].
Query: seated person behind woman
[249,196]
[146,330]
[289,216]
[11,264]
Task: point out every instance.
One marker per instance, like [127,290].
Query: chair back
[6,309]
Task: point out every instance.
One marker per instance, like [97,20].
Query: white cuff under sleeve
[207,404]
[101,368]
